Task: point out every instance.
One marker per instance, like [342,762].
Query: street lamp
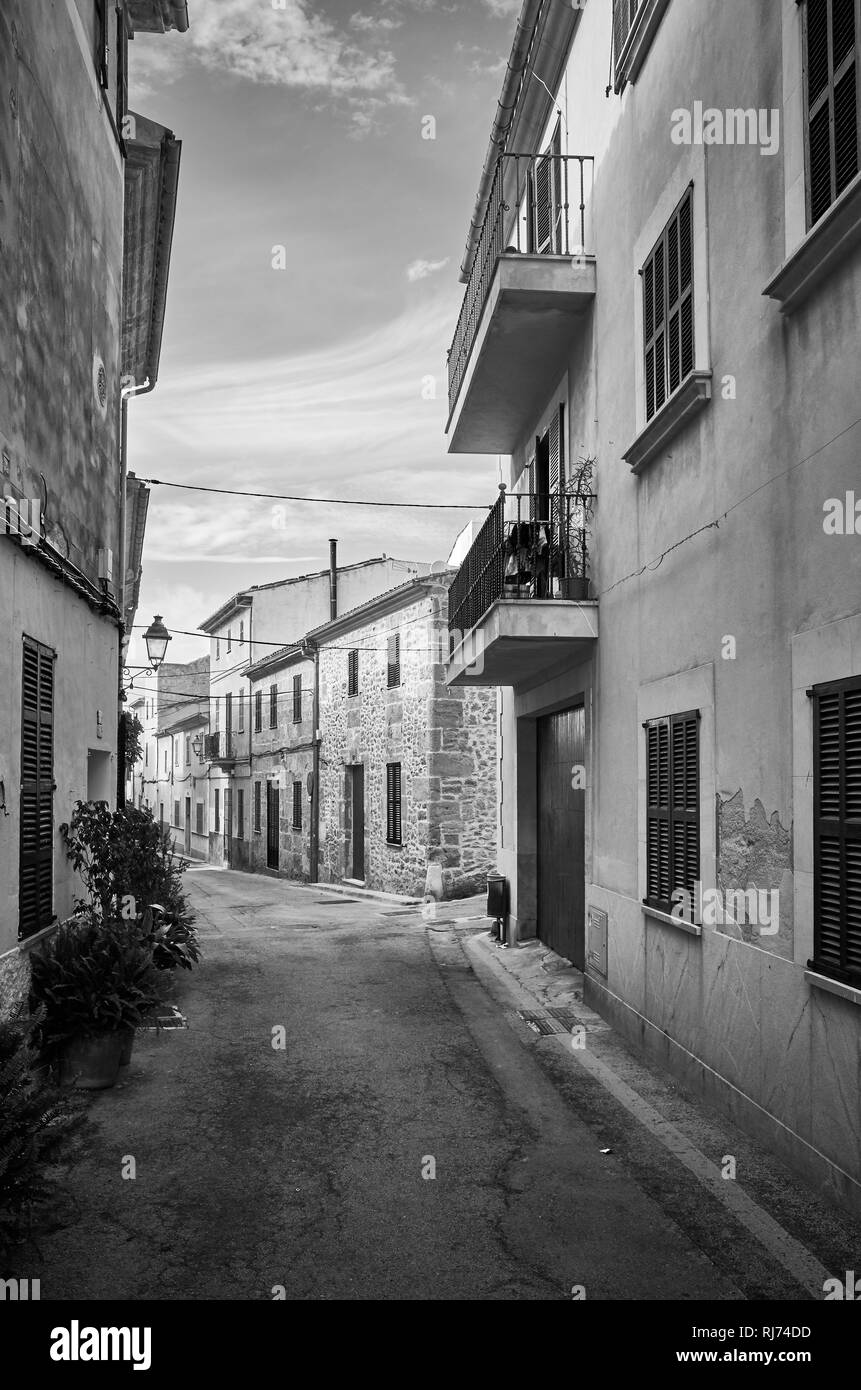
[197,745]
[156,638]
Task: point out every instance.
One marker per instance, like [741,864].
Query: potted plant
[95,981]
[579,503]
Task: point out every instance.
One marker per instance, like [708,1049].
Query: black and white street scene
[430,563]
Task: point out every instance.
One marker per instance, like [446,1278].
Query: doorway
[354,820]
[562,834]
[188,825]
[272,825]
[228,823]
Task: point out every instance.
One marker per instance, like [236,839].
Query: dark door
[561,833]
[272,826]
[355,821]
[228,823]
[188,825]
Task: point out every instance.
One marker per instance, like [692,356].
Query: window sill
[689,398]
[638,42]
[691,928]
[824,982]
[394,844]
[825,246]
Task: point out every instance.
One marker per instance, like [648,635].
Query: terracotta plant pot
[575,588]
[91,1064]
[128,1037]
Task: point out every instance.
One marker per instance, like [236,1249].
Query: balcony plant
[94,980]
[577,510]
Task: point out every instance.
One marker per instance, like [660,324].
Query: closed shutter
[217,810]
[394,660]
[199,813]
[668,309]
[672,808]
[240,814]
[257,806]
[297,805]
[393,803]
[37,789]
[831,33]
[837,829]
[297,699]
[258,711]
[353,672]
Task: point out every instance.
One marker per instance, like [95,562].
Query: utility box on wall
[597,953]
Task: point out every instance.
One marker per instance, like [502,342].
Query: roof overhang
[157,16]
[151,180]
[237,604]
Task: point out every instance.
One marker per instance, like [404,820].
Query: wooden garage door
[561,834]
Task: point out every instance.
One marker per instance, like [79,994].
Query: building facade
[659,331]
[69,351]
[366,768]
[249,627]
[171,779]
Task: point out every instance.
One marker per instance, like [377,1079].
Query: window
[394,661]
[624,14]
[36,845]
[297,699]
[176,814]
[229,639]
[161,816]
[188,750]
[228,716]
[218,648]
[241,634]
[837,830]
[353,672]
[240,813]
[668,308]
[832,32]
[217,810]
[258,711]
[217,703]
[297,805]
[199,821]
[273,706]
[393,803]
[672,808]
[146,755]
[175,742]
[257,807]
[165,760]
[241,712]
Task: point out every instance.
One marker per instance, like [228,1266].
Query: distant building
[247,628]
[366,769]
[172,777]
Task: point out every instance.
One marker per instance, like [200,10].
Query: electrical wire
[325,501]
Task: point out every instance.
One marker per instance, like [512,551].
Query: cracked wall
[755,851]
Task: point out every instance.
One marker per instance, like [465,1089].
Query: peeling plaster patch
[756,852]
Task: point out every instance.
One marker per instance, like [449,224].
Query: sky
[314,286]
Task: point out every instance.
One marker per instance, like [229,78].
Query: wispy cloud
[420,270]
[289,46]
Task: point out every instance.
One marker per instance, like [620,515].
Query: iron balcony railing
[219,747]
[547,195]
[532,546]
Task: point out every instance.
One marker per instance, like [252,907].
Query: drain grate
[541,1021]
[566,1017]
[335,902]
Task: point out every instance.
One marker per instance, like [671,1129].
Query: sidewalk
[663,1136]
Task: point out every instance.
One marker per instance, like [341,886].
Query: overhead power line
[327,501]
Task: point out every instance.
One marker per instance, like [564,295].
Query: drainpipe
[125,392]
[333,579]
[309,649]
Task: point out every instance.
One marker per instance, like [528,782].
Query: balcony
[219,748]
[519,606]
[532,279]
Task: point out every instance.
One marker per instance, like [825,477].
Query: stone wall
[444,740]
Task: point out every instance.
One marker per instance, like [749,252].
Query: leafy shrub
[92,977]
[124,854]
[39,1123]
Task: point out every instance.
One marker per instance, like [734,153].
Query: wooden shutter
[672,807]
[393,803]
[258,711]
[217,810]
[297,805]
[394,660]
[837,829]
[668,308]
[228,717]
[546,199]
[36,858]
[297,699]
[199,814]
[240,814]
[102,43]
[353,672]
[257,806]
[831,47]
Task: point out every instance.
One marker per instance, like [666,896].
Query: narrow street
[302,1167]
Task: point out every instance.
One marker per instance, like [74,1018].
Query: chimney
[333,579]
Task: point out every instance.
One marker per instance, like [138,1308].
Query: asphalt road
[308,1167]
